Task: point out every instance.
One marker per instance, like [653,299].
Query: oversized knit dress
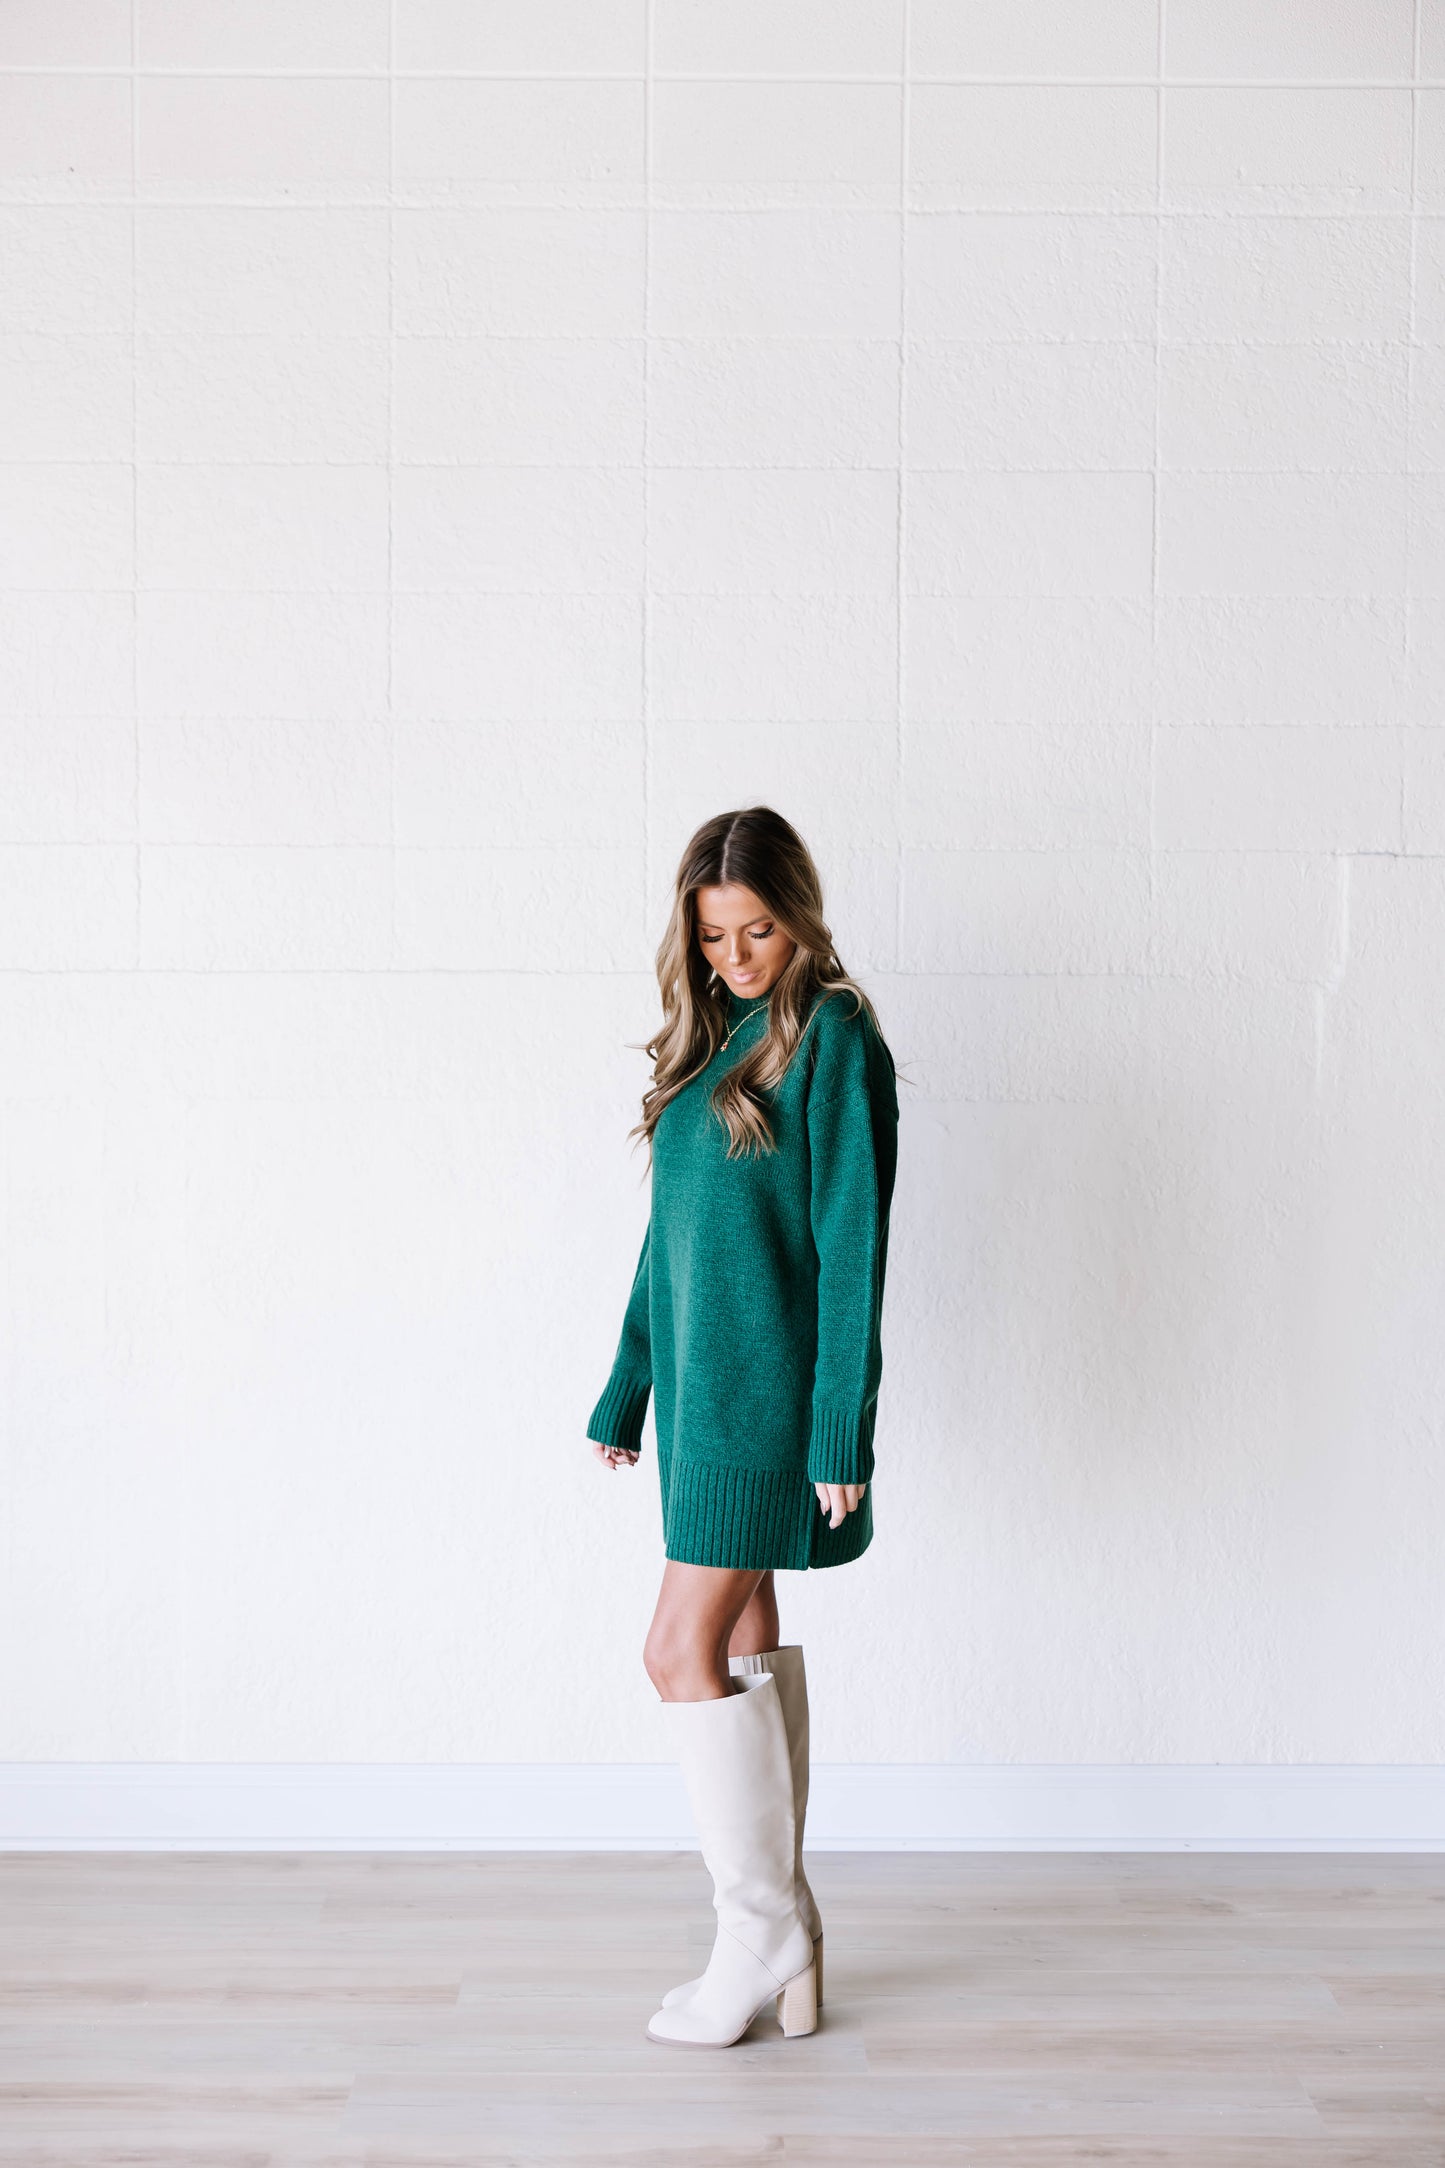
[755,1311]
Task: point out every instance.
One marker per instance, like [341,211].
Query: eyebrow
[763,918]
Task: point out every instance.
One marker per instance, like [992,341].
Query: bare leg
[698,1611]
[757,1630]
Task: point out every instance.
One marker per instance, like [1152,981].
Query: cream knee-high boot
[787,1667]
[734,1754]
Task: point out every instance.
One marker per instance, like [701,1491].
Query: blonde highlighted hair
[757,849]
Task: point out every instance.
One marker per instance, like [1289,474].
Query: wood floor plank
[1025,2011]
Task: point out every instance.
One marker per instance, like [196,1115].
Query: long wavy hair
[755,849]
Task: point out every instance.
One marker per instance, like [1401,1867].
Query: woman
[754,1324]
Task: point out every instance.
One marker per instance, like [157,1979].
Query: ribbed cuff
[617,1417]
[840,1448]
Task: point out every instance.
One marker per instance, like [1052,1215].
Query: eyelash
[709,938]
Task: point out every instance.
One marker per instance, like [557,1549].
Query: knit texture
[754,1321]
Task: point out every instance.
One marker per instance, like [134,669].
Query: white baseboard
[641,1806]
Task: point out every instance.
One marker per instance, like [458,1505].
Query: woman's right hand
[614,1456]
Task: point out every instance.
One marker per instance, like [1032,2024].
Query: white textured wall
[450,450]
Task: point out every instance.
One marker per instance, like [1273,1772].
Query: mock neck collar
[741,1005]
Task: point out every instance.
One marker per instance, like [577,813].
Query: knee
[658,1661]
[674,1663]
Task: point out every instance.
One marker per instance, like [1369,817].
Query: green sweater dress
[754,1317]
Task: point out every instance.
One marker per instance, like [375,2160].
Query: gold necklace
[740,1023]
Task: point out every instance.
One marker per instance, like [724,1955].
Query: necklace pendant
[724,1044]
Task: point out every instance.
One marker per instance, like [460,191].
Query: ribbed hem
[840,1447]
[726,1516]
[617,1417]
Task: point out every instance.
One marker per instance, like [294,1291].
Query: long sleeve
[852,1135]
[618,1416]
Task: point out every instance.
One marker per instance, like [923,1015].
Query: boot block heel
[798,2003]
[818,1967]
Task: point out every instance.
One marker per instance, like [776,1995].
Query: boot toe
[675,2027]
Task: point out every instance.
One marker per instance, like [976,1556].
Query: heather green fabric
[755,1311]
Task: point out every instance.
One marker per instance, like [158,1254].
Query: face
[746,948]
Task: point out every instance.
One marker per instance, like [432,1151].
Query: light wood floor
[1196,2011]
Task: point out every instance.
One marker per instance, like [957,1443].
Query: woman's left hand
[838,1500]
